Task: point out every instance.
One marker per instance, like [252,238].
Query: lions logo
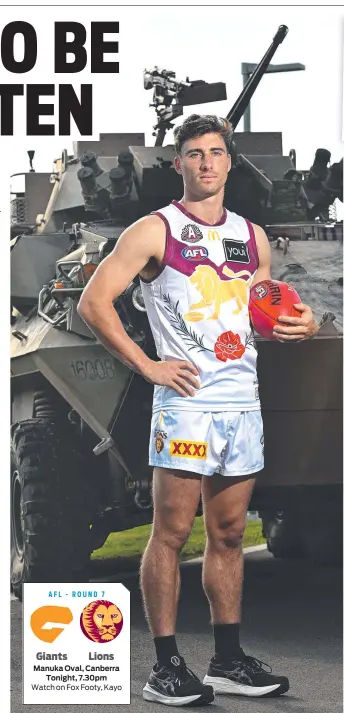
[215,291]
[101,621]
[159,444]
[159,439]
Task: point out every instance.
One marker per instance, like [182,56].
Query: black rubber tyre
[51,505]
[282,536]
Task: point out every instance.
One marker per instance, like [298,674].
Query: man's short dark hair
[198,125]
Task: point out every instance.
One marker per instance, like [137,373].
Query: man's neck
[210,210]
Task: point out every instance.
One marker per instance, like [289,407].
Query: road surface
[292,619]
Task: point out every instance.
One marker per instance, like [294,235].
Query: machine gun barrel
[238,109]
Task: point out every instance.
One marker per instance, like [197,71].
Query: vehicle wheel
[51,505]
[281,531]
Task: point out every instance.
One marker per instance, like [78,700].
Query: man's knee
[170,528]
[227,533]
[173,537]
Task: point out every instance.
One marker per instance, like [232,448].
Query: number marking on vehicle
[93,369]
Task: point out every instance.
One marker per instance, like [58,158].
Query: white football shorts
[227,443]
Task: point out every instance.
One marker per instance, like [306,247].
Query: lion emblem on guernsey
[101,621]
[215,291]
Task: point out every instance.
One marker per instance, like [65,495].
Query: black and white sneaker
[245,677]
[176,685]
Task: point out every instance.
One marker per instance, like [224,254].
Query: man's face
[204,164]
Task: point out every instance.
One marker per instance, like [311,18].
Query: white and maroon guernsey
[197,308]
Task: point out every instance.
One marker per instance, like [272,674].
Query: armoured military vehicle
[81,419]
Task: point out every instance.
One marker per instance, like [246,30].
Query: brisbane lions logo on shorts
[159,440]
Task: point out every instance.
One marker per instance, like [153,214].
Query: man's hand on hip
[176,374]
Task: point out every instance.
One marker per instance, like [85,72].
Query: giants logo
[195,254]
[188,449]
[43,619]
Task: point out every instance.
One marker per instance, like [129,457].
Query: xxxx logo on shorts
[188,449]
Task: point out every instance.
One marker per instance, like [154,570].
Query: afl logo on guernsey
[191,233]
[195,254]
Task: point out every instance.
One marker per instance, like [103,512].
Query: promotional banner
[90,96]
[76,641]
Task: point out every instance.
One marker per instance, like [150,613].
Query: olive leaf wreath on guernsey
[227,346]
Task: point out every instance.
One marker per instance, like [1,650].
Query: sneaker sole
[224,685]
[149,694]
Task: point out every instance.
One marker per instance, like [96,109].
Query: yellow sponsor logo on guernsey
[188,449]
[213,235]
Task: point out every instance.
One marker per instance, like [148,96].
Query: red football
[269,300]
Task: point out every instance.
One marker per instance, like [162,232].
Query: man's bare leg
[225,503]
[230,670]
[176,495]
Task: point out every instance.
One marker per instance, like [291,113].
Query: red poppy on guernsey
[228,346]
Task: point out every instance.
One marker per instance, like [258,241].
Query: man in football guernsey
[197,262]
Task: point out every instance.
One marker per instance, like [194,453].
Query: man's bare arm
[136,246]
[264,255]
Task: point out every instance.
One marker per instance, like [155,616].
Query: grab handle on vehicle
[40,311]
